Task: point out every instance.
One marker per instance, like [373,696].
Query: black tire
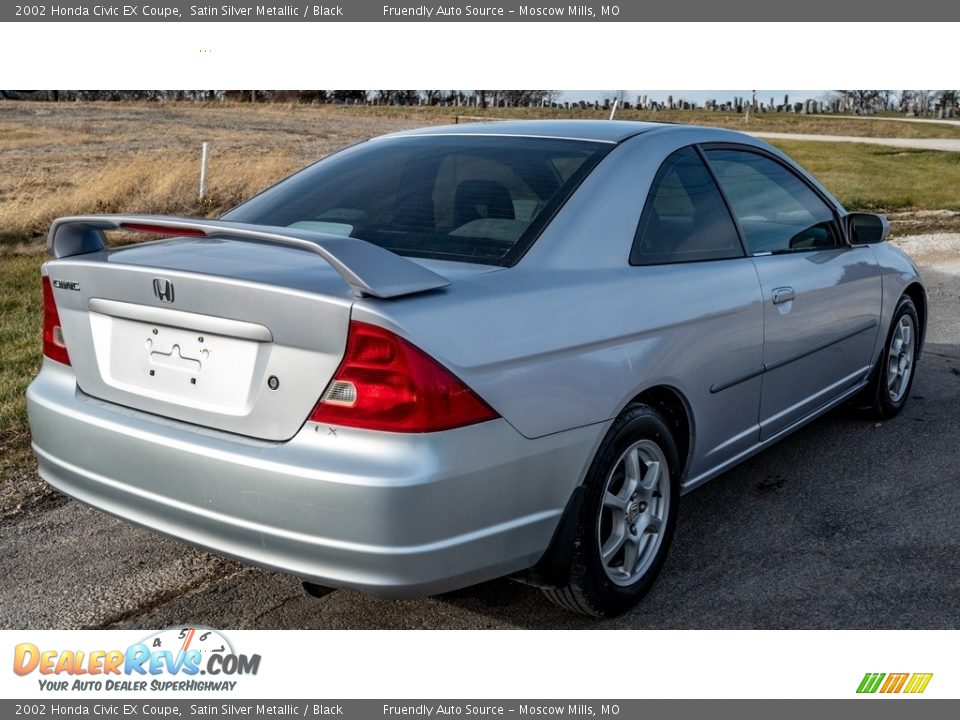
[589,590]
[880,401]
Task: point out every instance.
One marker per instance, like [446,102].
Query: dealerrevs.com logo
[909,683]
[173,659]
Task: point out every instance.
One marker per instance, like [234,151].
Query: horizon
[694,96]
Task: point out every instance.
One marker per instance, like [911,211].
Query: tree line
[854,100]
[864,100]
[480,98]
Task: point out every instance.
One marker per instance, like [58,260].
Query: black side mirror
[867,228]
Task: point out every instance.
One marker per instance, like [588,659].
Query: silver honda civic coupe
[458,353]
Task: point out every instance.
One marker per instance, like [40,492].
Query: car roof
[610,131]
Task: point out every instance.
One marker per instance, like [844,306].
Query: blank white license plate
[186,367]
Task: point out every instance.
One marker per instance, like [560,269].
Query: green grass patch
[16,134]
[21,317]
[874,177]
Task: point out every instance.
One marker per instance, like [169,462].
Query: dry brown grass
[68,158]
[65,158]
[152,182]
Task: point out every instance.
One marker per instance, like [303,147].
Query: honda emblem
[163,289]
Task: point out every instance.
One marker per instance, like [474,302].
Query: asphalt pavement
[848,523]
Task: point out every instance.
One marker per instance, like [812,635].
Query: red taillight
[53,346]
[385,383]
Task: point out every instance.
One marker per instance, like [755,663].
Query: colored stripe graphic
[918,682]
[894,683]
[870,682]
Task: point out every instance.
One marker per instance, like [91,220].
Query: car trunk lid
[225,332]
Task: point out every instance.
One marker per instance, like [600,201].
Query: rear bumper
[391,514]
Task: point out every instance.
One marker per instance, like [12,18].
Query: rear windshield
[481,199]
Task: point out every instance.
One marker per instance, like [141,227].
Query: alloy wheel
[633,513]
[900,358]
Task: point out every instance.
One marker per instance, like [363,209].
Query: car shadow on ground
[847,523]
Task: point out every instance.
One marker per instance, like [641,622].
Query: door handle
[783,295]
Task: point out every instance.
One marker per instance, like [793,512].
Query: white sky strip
[655,56]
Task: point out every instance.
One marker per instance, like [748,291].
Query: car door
[821,296]
[692,273]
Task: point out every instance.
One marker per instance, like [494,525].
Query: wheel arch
[552,568]
[916,292]
[676,410]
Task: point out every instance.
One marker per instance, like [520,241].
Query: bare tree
[397,97]
[903,98]
[349,96]
[922,100]
[519,98]
[310,96]
[859,100]
[947,98]
[616,96]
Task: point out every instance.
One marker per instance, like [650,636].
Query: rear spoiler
[368,269]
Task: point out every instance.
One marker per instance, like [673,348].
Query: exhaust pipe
[317,591]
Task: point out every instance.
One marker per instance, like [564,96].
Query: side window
[776,210]
[684,219]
